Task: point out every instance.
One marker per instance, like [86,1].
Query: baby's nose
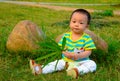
[76,24]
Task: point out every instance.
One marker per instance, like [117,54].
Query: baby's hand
[68,54]
[71,55]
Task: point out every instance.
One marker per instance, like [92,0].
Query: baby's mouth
[76,29]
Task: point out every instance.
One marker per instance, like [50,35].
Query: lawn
[15,67]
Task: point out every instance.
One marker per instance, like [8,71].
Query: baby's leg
[81,68]
[86,66]
[49,68]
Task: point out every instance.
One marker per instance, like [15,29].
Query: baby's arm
[84,54]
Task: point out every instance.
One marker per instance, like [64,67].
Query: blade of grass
[56,64]
[44,57]
[48,61]
[63,43]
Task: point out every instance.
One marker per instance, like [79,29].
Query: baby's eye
[81,23]
[74,21]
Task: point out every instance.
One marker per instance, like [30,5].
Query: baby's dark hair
[83,11]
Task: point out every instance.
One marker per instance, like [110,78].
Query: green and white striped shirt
[83,43]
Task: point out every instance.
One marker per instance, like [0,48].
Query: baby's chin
[77,31]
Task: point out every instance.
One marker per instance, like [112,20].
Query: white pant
[83,66]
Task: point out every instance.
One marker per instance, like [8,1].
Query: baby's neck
[76,36]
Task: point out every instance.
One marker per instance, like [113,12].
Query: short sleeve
[60,42]
[89,44]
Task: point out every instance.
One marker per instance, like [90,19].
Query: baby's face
[78,22]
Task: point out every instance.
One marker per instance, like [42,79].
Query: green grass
[15,67]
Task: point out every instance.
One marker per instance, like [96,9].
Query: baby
[79,47]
